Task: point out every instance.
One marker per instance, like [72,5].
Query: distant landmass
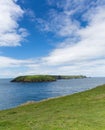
[45,78]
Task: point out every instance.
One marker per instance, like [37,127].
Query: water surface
[14,94]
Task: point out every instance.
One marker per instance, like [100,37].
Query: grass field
[81,111]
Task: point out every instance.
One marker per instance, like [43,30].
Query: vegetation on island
[34,78]
[80,111]
[70,76]
[44,78]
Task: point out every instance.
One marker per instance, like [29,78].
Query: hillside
[80,111]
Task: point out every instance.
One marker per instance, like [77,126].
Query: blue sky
[52,37]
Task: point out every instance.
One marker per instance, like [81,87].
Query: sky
[65,37]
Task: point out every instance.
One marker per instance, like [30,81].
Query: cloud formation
[10,67]
[11,34]
[80,24]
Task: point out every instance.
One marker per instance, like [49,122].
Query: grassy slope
[81,111]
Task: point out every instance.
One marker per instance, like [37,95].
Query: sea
[13,94]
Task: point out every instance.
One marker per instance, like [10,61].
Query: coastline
[58,97]
[83,110]
[51,98]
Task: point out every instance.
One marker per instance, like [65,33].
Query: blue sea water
[14,94]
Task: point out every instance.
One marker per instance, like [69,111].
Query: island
[34,78]
[69,76]
[44,78]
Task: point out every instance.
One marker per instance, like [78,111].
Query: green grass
[34,78]
[44,78]
[70,76]
[81,111]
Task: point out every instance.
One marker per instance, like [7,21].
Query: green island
[79,111]
[34,78]
[44,78]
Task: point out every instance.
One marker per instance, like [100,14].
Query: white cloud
[10,62]
[91,44]
[82,50]
[10,67]
[10,31]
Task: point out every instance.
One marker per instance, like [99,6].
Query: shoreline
[51,98]
[58,97]
[83,110]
